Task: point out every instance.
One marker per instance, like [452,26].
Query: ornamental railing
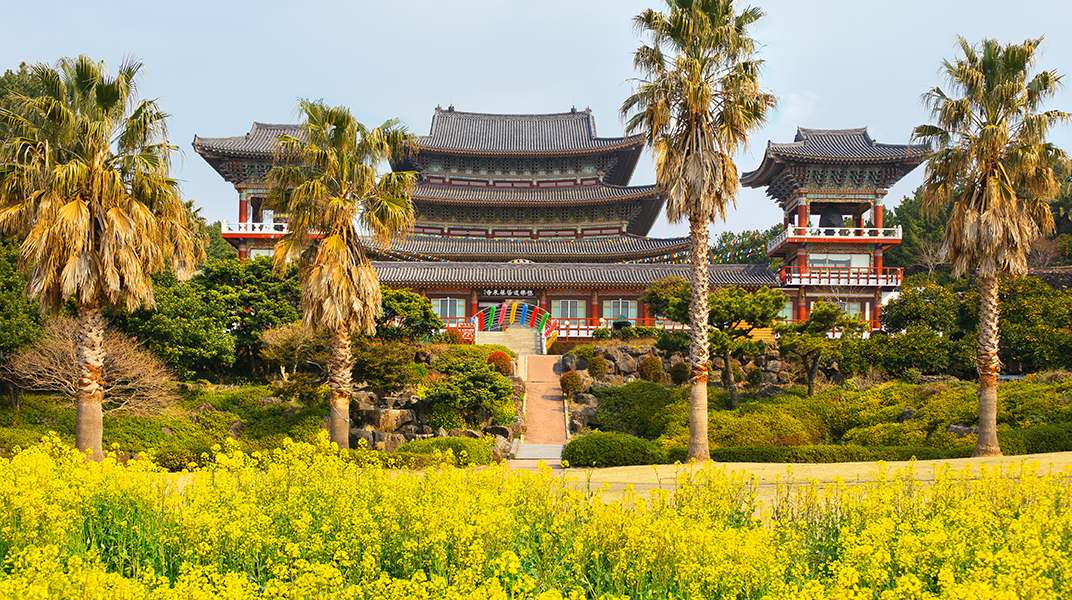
[841,276]
[835,234]
[227,227]
[496,318]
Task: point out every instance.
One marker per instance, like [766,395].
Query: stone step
[539,451]
[524,341]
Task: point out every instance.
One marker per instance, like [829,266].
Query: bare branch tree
[930,256]
[1043,252]
[134,379]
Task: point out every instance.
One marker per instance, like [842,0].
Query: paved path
[544,416]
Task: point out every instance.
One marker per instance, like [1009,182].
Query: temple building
[533,216]
[828,183]
[533,210]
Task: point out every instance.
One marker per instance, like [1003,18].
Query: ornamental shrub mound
[570,382]
[679,373]
[502,363]
[612,450]
[651,369]
[598,367]
[465,451]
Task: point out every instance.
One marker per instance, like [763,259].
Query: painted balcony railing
[229,228]
[860,276]
[834,234]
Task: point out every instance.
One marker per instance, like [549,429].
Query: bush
[570,383]
[679,373]
[466,451]
[612,450]
[911,375]
[1037,440]
[474,388]
[303,388]
[672,342]
[384,366]
[502,363]
[651,369]
[830,454]
[453,337]
[637,408]
[598,367]
[448,417]
[754,377]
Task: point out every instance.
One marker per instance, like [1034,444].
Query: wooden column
[876,215]
[243,210]
[243,251]
[474,305]
[802,215]
[594,320]
[802,305]
[878,259]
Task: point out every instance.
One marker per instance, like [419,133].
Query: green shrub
[911,375]
[601,333]
[585,351]
[612,450]
[831,454]
[453,337]
[570,382]
[1037,440]
[383,365]
[638,408]
[448,417]
[671,342]
[304,388]
[651,369]
[465,451]
[502,363]
[598,367]
[754,377]
[471,386]
[679,373]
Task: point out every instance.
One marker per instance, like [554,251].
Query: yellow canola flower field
[306,521]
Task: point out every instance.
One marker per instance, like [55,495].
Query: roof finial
[573,109]
[451,107]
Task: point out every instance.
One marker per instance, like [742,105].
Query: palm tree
[84,178]
[327,183]
[994,165]
[698,100]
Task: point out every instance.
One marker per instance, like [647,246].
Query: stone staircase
[524,341]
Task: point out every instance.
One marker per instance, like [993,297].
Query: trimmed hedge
[651,369]
[598,367]
[477,452]
[680,372]
[1037,440]
[502,363]
[612,450]
[570,382]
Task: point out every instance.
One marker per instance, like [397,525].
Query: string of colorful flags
[721,253]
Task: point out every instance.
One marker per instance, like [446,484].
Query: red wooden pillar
[243,251]
[802,215]
[474,306]
[243,210]
[802,305]
[594,320]
[876,215]
[878,259]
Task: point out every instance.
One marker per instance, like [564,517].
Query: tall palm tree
[994,165]
[327,183]
[84,177]
[697,101]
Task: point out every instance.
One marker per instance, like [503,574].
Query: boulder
[772,366]
[960,430]
[502,446]
[608,382]
[235,430]
[391,442]
[499,430]
[769,391]
[627,365]
[469,433]
[441,432]
[518,384]
[614,354]
[785,378]
[906,414]
[572,362]
[587,399]
[582,417]
[363,400]
[388,420]
[356,435]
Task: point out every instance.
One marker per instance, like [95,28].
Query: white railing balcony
[841,276]
[258,229]
[834,234]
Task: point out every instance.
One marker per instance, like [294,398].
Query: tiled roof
[560,274]
[259,142]
[453,194]
[622,247]
[573,131]
[845,144]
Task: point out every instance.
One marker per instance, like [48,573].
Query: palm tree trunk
[698,343]
[89,395]
[340,367]
[988,364]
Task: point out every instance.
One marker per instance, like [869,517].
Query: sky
[218,66]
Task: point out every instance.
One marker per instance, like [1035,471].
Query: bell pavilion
[830,184]
[530,219]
